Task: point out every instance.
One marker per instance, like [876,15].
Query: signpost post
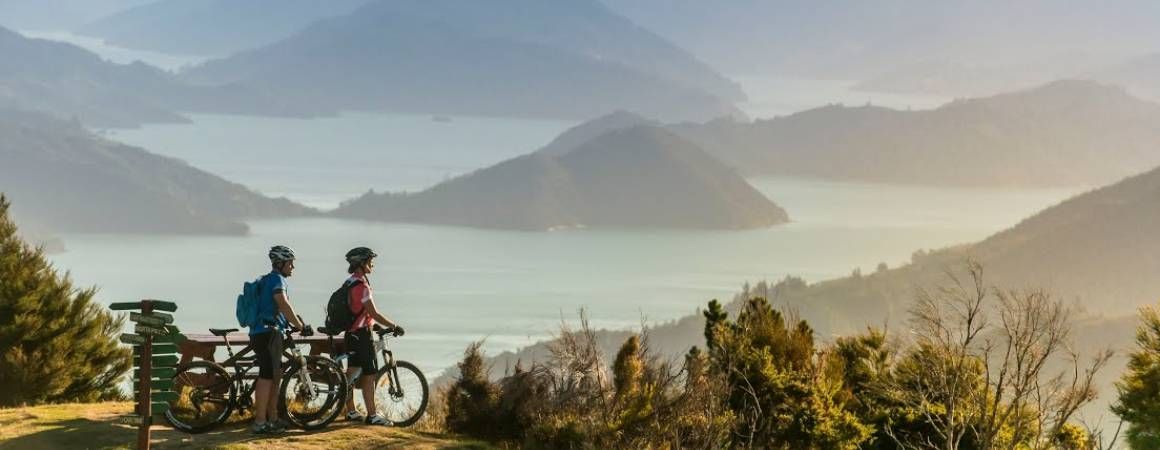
[151,361]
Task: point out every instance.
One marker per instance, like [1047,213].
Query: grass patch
[91,426]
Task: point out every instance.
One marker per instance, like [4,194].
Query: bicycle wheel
[313,404]
[402,403]
[206,397]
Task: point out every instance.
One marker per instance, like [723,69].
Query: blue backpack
[247,308]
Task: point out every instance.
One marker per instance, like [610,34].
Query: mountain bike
[401,391]
[312,392]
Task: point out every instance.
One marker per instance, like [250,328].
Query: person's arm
[287,310]
[373,311]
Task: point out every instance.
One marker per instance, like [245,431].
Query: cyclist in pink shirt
[359,338]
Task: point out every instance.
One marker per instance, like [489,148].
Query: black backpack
[338,313]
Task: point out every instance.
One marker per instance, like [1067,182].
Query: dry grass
[92,426]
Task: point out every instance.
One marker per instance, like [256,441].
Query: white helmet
[281,254]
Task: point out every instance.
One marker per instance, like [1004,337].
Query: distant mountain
[1065,133]
[940,77]
[212,27]
[578,135]
[572,59]
[67,81]
[56,15]
[639,177]
[854,39]
[62,178]
[1141,75]
[73,83]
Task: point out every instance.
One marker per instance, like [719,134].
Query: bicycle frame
[389,367]
[241,372]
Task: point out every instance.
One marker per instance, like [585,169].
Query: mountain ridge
[1065,133]
[116,188]
[639,177]
[447,57]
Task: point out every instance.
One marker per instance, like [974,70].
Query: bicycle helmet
[359,255]
[281,254]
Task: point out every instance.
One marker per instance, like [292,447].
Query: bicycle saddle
[222,331]
[328,331]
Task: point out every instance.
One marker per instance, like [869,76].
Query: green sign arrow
[158,361]
[159,407]
[158,349]
[150,330]
[150,319]
[163,397]
[164,305]
[132,339]
[162,372]
[161,385]
[125,306]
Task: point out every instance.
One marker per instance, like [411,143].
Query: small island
[641,177]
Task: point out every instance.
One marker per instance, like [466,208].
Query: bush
[56,344]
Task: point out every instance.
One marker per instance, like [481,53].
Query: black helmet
[359,255]
[281,254]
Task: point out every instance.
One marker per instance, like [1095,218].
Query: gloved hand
[307,331]
[398,331]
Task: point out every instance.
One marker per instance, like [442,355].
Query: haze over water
[450,286]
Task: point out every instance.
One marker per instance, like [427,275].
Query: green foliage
[471,400]
[56,344]
[762,381]
[1072,437]
[780,395]
[1139,388]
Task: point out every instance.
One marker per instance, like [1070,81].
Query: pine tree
[56,344]
[1139,388]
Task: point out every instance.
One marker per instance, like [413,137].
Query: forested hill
[180,26]
[572,59]
[639,177]
[68,81]
[1066,133]
[64,178]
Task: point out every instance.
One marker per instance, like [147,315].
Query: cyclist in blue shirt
[273,306]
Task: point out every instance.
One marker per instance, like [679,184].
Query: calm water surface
[450,286]
[321,162]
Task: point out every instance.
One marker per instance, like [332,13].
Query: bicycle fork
[306,385]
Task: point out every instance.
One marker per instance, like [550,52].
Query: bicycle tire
[325,374]
[414,381]
[195,388]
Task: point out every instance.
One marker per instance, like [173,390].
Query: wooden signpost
[154,361]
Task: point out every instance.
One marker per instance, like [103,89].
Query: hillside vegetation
[1065,133]
[62,177]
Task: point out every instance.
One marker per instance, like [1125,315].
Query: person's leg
[370,366]
[261,400]
[276,376]
[368,390]
[261,345]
